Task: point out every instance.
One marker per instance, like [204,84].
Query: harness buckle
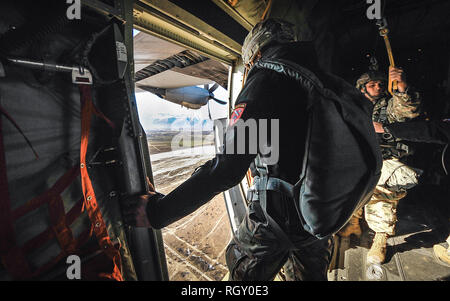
[81,76]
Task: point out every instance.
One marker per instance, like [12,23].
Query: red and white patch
[237,113]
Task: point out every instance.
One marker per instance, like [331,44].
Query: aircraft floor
[423,221]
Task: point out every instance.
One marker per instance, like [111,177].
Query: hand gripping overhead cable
[383,29]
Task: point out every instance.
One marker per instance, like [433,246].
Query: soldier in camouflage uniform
[396,177]
[437,131]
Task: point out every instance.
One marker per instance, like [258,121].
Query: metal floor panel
[423,221]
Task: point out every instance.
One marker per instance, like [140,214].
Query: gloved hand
[135,207]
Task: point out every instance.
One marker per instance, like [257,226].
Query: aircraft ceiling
[217,28]
[419,33]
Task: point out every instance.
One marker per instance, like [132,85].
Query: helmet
[264,33]
[370,76]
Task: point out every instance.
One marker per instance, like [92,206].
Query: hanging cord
[4,113]
[248,174]
[244,78]
[383,30]
[443,159]
[268,6]
[392,84]
[249,66]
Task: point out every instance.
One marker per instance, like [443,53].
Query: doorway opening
[179,128]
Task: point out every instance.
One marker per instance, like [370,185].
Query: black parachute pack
[342,160]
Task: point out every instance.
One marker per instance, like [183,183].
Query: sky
[151,107]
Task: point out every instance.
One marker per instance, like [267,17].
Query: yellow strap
[392,85]
[269,3]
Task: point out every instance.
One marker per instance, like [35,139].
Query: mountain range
[162,122]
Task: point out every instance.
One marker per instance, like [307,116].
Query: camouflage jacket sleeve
[403,106]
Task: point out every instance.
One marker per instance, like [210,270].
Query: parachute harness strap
[244,78]
[98,225]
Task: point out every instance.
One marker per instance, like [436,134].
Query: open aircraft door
[63,64]
[189,26]
[62,69]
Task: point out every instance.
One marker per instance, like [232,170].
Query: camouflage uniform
[396,177]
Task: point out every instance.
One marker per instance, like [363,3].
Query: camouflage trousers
[381,211]
[260,249]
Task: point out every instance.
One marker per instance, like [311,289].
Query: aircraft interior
[69,72]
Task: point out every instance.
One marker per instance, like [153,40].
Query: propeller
[211,94]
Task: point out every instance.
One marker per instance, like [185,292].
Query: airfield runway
[195,245]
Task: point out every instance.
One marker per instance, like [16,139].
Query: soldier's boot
[377,253]
[352,227]
[442,253]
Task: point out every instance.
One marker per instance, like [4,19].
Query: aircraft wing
[162,64]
